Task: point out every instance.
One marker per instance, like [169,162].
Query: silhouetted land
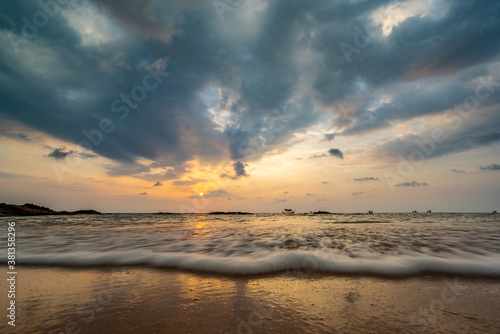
[28,209]
[229,213]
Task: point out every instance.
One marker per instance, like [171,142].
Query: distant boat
[288,211]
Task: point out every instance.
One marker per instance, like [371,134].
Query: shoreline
[140,299]
[315,274]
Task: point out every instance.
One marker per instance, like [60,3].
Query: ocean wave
[254,264]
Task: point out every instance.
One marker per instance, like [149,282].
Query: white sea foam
[314,261]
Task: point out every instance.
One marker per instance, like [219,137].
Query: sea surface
[379,244]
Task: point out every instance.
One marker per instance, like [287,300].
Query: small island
[229,213]
[28,209]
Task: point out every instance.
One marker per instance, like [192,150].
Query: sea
[386,244]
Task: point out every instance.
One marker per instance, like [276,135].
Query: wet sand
[145,300]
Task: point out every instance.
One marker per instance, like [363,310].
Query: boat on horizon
[288,211]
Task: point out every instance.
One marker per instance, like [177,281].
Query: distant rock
[28,209]
[229,213]
[322,213]
[85,212]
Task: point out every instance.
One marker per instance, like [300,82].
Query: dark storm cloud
[74,96]
[137,15]
[426,97]
[470,134]
[412,184]
[411,62]
[158,184]
[63,86]
[490,167]
[336,153]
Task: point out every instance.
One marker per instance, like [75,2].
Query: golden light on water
[201,194]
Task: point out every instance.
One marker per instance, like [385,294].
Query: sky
[250,105]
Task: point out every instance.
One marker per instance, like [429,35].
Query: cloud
[6,175]
[357,193]
[329,137]
[138,15]
[424,65]
[16,136]
[441,65]
[308,194]
[280,200]
[368,178]
[190,182]
[316,156]
[412,184]
[336,153]
[457,171]
[143,194]
[212,194]
[286,192]
[468,136]
[239,170]
[158,184]
[490,167]
[61,154]
[322,200]
[324,182]
[126,169]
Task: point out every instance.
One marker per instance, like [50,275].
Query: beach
[146,300]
